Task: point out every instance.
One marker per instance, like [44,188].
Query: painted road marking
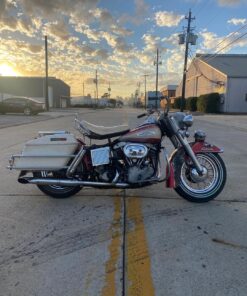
[138,264]
[110,288]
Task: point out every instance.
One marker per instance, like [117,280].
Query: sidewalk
[237,121]
[20,119]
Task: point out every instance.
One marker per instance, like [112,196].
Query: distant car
[27,106]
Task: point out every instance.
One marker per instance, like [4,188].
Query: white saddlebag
[48,152]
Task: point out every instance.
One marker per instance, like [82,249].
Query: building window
[246,97]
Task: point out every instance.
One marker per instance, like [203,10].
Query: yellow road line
[138,261]
[114,250]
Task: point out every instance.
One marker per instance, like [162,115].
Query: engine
[140,162]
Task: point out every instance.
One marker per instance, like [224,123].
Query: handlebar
[149,112]
[141,115]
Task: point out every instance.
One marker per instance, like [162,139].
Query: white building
[152,98]
[225,74]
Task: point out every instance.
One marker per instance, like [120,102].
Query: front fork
[190,152]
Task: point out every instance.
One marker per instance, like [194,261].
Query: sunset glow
[118,39]
[6,70]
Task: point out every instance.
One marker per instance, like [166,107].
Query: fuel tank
[148,133]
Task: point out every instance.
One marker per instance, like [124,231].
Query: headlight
[188,120]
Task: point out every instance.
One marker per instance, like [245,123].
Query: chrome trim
[73,182]
[71,169]
[190,152]
[32,169]
[116,177]
[162,175]
[134,150]
[48,156]
[188,120]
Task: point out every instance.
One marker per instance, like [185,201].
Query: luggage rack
[13,158]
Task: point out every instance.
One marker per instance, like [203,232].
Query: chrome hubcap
[204,183]
[199,178]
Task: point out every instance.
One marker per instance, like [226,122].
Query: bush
[191,103]
[209,103]
[177,103]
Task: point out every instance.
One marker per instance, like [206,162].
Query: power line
[228,37]
[233,41]
[203,5]
[212,56]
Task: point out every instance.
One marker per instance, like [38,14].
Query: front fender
[197,147]
[204,147]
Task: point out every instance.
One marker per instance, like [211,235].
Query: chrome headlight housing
[188,120]
[183,120]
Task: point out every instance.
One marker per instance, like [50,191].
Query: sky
[117,38]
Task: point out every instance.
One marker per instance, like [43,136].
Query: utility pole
[109,90]
[157,63]
[83,89]
[46,75]
[145,85]
[190,38]
[96,82]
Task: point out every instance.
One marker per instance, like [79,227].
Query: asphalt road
[124,242]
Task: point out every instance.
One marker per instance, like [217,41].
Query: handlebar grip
[141,115]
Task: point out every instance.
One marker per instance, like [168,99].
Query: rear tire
[203,190]
[27,111]
[54,190]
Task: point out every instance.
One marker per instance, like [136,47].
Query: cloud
[11,23]
[152,42]
[167,19]
[231,2]
[223,44]
[104,16]
[6,6]
[171,40]
[91,34]
[141,10]
[236,21]
[121,31]
[35,48]
[116,42]
[47,8]
[59,30]
[175,61]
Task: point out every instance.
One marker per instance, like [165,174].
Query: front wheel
[55,190]
[196,188]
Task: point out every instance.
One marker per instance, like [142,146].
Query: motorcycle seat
[102,132]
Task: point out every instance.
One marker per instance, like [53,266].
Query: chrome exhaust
[72,182]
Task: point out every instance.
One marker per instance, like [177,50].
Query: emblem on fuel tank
[146,133]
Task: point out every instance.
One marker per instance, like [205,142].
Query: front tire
[54,190]
[200,189]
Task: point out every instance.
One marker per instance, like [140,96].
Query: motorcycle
[61,164]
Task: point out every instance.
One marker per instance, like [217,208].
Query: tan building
[169,91]
[223,73]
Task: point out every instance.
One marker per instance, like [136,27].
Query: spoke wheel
[196,188]
[55,190]
[27,111]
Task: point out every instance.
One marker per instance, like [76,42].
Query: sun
[7,70]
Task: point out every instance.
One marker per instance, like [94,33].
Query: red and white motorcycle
[61,165]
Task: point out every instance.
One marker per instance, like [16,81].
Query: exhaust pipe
[67,183]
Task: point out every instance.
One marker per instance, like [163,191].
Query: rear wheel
[196,188]
[55,190]
[27,111]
